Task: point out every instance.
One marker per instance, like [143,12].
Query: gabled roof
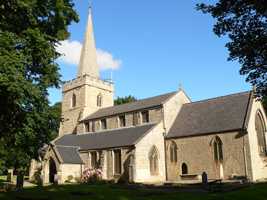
[221,114]
[105,139]
[69,155]
[129,107]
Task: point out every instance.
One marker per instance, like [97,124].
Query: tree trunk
[20,180]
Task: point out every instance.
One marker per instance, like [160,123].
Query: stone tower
[87,92]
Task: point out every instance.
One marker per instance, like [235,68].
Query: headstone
[20,180]
[9,175]
[204,178]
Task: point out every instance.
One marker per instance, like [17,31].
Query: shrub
[91,175]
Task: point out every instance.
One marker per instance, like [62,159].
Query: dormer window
[73,101]
[145,116]
[103,124]
[122,121]
[99,100]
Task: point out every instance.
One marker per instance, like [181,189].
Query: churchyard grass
[116,192]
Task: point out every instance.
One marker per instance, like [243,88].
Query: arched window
[173,152]
[73,101]
[218,149]
[99,100]
[261,131]
[153,161]
[184,169]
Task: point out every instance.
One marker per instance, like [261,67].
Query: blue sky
[159,44]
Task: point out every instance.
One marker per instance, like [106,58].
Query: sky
[152,47]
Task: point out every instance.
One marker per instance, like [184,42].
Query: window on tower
[73,101]
[99,100]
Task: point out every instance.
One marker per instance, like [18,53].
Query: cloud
[71,51]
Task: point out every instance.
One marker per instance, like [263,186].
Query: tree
[245,23]
[55,112]
[123,100]
[30,30]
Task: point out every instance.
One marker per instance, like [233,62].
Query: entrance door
[52,170]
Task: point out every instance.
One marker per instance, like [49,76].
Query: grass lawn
[112,192]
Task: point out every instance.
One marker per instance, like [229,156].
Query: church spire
[88,60]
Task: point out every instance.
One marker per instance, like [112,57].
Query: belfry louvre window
[122,121]
[99,100]
[103,124]
[173,152]
[261,133]
[93,160]
[145,116]
[93,126]
[117,162]
[218,149]
[73,101]
[153,161]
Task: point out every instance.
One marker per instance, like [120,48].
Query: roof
[69,154]
[105,139]
[128,107]
[221,114]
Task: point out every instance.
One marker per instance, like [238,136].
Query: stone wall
[258,162]
[197,153]
[143,147]
[155,116]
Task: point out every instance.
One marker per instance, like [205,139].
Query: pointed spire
[88,60]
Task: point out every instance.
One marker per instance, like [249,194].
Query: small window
[173,152]
[145,116]
[117,161]
[218,149]
[103,123]
[93,160]
[122,121]
[99,101]
[73,101]
[135,118]
[184,169]
[93,126]
[87,127]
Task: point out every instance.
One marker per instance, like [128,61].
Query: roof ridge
[219,97]
[116,129]
[168,93]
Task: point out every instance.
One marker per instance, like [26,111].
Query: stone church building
[158,139]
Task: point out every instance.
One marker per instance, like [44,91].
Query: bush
[91,175]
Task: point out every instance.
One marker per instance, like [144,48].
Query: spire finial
[180,86]
[90,6]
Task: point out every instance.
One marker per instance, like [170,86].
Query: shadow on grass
[108,191]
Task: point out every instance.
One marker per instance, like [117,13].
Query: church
[166,138]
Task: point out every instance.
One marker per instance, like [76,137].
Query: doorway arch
[52,170]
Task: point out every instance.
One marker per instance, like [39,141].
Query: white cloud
[71,51]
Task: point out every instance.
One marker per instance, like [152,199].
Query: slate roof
[105,139]
[221,114]
[129,107]
[69,154]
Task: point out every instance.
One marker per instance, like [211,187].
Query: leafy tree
[245,23]
[55,112]
[123,100]
[29,32]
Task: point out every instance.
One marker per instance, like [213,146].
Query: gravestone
[204,178]
[9,175]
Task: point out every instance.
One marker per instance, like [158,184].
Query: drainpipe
[165,146]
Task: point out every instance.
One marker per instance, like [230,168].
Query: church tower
[86,93]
